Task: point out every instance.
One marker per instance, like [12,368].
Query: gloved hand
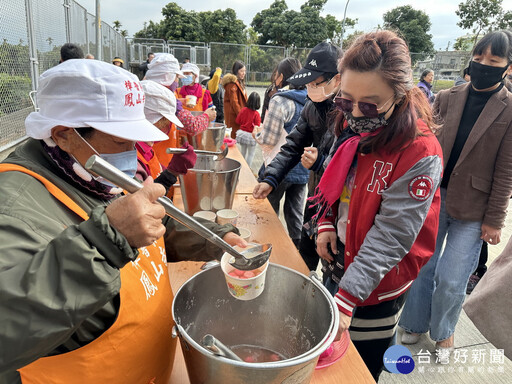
[180,163]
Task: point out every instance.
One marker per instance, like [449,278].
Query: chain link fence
[35,30]
[32,34]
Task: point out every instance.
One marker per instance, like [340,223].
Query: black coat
[314,128]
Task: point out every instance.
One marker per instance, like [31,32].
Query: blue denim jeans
[436,296]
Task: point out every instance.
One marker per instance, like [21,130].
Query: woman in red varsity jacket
[378,198]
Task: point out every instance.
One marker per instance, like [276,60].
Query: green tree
[270,23]
[483,16]
[347,42]
[277,25]
[222,26]
[464,43]
[413,25]
[180,24]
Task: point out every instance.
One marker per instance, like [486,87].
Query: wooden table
[259,217]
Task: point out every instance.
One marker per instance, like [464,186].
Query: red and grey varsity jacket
[392,222]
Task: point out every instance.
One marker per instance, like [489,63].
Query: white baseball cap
[160,101]
[189,67]
[163,69]
[90,93]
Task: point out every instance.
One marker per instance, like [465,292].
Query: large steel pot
[295,316]
[210,185]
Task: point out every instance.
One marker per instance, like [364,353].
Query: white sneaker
[410,338]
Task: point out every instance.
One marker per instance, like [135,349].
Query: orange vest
[159,147]
[199,103]
[138,347]
[154,164]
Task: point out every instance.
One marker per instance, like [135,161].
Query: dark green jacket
[59,275]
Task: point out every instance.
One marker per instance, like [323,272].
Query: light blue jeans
[436,296]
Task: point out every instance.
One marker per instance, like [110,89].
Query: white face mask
[317,94]
[126,161]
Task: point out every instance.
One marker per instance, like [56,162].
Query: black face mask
[485,76]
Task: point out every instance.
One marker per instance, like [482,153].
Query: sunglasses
[370,110]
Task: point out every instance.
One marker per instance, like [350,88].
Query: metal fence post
[67,19]
[34,64]
[99,54]
[86,22]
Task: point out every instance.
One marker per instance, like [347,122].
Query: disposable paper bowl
[243,289]
[208,215]
[227,216]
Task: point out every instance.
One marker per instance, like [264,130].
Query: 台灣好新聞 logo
[398,359]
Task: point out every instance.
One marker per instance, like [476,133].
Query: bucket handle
[316,280]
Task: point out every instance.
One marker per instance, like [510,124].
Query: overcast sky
[133,13]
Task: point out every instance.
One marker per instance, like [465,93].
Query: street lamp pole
[343,23]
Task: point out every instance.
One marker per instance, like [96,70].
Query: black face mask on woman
[485,76]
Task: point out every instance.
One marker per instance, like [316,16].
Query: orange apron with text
[138,347]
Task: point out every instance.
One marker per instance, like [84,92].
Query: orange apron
[155,168]
[138,347]
[159,147]
[199,103]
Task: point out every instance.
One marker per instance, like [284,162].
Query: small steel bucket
[209,140]
[210,185]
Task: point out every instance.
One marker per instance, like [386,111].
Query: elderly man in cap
[309,142]
[85,294]
[196,97]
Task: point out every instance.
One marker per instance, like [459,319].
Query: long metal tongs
[254,257]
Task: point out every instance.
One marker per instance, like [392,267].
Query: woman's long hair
[288,67]
[387,54]
[238,65]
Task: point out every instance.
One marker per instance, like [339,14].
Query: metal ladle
[247,260]
[220,155]
[218,348]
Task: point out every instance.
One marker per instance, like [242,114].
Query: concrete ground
[475,360]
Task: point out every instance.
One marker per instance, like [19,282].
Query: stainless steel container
[209,140]
[295,316]
[210,185]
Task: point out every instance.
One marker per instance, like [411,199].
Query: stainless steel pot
[295,316]
[209,140]
[210,185]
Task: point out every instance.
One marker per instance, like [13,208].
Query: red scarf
[194,89]
[331,184]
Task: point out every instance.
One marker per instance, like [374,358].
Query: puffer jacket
[314,128]
[59,274]
[235,98]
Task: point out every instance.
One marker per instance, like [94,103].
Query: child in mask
[195,97]
[248,118]
[378,199]
[476,137]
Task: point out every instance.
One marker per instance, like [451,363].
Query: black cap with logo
[322,59]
